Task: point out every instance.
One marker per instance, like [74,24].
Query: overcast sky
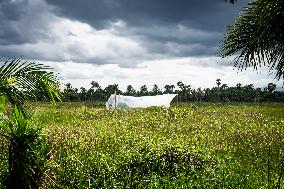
[125,41]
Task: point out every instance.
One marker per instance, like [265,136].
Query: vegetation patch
[200,145]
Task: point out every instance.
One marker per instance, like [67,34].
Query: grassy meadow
[188,146]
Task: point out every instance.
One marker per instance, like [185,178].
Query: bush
[27,152]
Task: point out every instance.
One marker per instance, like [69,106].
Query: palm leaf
[257,38]
[21,80]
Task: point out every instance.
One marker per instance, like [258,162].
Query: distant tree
[199,94]
[111,89]
[91,93]
[224,86]
[69,93]
[83,94]
[184,91]
[169,89]
[222,92]
[83,90]
[97,92]
[238,93]
[143,91]
[156,90]
[239,85]
[248,93]
[194,95]
[181,85]
[258,94]
[218,82]
[271,87]
[130,91]
[269,95]
[68,86]
[207,93]
[94,84]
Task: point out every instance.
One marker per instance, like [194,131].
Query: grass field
[190,146]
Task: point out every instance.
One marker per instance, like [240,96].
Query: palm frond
[257,38]
[21,80]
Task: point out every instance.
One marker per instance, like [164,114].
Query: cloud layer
[126,41]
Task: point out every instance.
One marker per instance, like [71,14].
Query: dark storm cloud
[16,30]
[202,14]
[175,40]
[164,28]
[12,10]
[9,12]
[156,21]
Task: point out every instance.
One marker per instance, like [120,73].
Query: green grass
[190,146]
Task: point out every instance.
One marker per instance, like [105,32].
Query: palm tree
[256,37]
[218,82]
[21,80]
[94,84]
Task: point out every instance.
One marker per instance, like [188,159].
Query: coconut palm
[21,80]
[218,82]
[256,37]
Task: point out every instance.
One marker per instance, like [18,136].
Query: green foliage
[224,93]
[27,151]
[2,104]
[23,147]
[22,80]
[190,146]
[256,37]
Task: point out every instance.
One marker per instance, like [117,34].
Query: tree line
[219,93]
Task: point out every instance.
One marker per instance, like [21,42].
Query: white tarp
[120,101]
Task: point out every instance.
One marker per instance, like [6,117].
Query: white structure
[120,101]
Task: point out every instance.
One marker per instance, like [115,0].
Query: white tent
[120,101]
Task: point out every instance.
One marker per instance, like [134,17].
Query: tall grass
[190,146]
